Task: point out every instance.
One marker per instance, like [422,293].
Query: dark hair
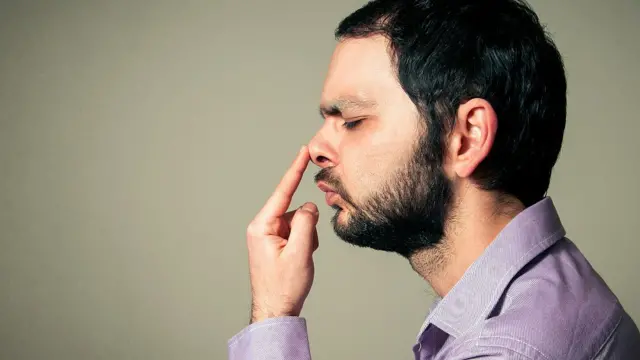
[450,51]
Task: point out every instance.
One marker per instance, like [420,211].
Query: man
[443,121]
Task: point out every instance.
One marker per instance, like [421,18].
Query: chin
[339,215]
[340,218]
[341,212]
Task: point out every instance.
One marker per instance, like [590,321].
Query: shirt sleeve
[281,338]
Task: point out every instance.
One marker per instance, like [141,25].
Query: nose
[323,150]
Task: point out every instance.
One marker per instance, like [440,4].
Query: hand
[280,247]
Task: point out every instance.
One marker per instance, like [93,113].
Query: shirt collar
[475,295]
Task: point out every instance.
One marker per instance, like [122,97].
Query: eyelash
[349,125]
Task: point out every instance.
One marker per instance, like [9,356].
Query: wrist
[259,314]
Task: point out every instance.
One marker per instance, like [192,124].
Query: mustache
[328,176]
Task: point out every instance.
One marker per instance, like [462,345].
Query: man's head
[426,98]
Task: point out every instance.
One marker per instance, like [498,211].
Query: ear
[472,137]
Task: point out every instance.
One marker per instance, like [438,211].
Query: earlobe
[475,129]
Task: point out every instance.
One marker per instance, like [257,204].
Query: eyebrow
[339,106]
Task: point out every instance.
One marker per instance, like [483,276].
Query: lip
[331,196]
[324,187]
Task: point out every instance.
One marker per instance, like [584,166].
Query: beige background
[138,139]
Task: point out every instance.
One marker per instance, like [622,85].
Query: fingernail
[303,147]
[310,207]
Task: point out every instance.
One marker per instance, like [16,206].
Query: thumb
[303,226]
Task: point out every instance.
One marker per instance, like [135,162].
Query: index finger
[280,200]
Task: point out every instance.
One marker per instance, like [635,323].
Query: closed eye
[349,125]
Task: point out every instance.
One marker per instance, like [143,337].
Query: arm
[280,245]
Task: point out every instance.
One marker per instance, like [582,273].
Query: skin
[361,157]
[361,85]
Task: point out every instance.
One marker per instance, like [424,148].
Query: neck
[476,220]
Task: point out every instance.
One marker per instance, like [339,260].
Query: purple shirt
[530,295]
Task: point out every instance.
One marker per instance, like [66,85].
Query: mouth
[323,186]
[331,196]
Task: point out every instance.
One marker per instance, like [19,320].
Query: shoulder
[540,333]
[548,332]
[557,307]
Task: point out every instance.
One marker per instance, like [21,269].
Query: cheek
[368,165]
[369,157]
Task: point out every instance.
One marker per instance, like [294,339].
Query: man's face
[371,149]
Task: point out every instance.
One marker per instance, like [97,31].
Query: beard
[406,214]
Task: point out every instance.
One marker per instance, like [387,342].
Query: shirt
[530,295]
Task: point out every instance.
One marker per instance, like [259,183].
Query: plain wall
[138,139]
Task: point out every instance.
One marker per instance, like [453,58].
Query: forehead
[360,68]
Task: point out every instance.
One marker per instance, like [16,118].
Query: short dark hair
[449,51]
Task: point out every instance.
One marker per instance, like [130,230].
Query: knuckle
[253,229]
